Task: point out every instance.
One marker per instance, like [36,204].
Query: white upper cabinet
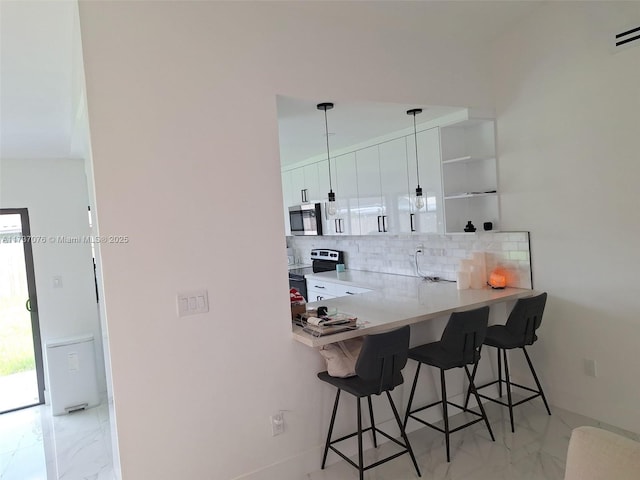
[345,185]
[312,183]
[286,199]
[323,181]
[394,183]
[375,182]
[305,184]
[430,218]
[298,187]
[470,174]
[371,206]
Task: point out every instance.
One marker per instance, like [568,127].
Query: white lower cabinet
[318,290]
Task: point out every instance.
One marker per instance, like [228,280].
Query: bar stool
[519,331]
[378,369]
[459,346]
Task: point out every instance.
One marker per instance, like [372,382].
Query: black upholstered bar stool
[459,346]
[518,332]
[378,370]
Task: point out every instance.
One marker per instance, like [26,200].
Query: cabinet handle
[413,227]
[342,225]
[318,297]
[349,293]
[335,221]
[384,223]
[319,286]
[379,228]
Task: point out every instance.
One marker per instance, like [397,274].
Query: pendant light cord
[415,140]
[326,129]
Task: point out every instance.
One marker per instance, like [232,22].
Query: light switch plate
[192,303]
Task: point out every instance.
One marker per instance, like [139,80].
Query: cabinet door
[370,199]
[298,186]
[286,200]
[430,218]
[346,220]
[312,183]
[323,181]
[318,290]
[395,186]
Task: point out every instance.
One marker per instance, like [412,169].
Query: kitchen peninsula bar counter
[398,300]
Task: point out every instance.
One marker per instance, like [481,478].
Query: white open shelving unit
[469,174]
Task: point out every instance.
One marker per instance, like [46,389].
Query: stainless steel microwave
[306,219]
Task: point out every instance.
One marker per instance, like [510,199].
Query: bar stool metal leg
[333,419]
[473,377]
[472,388]
[535,377]
[413,391]
[499,372]
[373,423]
[403,433]
[445,412]
[508,382]
[360,456]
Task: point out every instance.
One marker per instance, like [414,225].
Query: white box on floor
[72,374]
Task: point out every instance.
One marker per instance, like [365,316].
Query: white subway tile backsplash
[519,255]
[441,253]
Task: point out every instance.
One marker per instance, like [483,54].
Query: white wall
[569,172]
[183,120]
[55,194]
[182,104]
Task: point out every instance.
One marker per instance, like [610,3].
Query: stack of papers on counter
[318,327]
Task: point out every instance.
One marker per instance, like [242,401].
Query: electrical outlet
[419,248]
[277,424]
[590,368]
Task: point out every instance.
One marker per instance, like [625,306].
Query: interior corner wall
[568,139]
[182,106]
[55,194]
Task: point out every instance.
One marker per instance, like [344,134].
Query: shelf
[465,159]
[470,195]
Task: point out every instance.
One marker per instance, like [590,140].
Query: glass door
[21,370]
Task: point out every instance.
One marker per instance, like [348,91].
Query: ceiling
[302,126]
[42,86]
[40,79]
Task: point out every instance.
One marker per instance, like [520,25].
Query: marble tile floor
[35,445]
[18,389]
[536,451]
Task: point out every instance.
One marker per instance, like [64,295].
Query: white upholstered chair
[597,454]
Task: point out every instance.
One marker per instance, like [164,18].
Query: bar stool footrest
[379,462]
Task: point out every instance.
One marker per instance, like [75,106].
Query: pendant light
[331,206]
[419,202]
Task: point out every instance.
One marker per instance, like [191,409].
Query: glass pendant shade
[331,205]
[419,202]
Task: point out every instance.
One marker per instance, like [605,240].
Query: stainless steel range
[322,260]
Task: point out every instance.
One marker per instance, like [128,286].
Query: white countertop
[398,300]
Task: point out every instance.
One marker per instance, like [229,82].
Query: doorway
[21,368]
